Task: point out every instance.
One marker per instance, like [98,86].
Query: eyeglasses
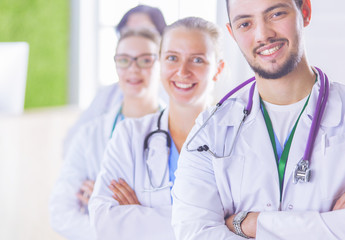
[143,61]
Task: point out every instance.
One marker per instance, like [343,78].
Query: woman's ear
[220,68]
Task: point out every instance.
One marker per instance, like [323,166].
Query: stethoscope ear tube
[146,155]
[319,110]
[246,112]
[204,147]
[159,130]
[302,172]
[236,89]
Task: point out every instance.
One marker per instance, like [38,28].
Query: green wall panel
[44,24]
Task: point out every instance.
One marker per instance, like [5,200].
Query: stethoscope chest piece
[301,172]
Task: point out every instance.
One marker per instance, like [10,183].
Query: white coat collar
[333,111]
[233,108]
[110,117]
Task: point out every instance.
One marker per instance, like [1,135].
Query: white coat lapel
[253,136]
[110,119]
[158,154]
[300,139]
[256,137]
[333,110]
[236,106]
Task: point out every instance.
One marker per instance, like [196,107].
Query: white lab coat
[82,162]
[124,159]
[106,100]
[207,190]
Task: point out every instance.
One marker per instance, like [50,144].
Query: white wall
[325,38]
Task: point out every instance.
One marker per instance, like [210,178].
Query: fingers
[87,186]
[123,193]
[85,192]
[340,204]
[130,191]
[90,184]
[83,197]
[115,187]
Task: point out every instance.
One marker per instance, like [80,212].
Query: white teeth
[269,51]
[133,81]
[183,85]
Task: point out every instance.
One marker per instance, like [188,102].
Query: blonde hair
[196,23]
[141,32]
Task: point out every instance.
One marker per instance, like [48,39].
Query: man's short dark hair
[298,3]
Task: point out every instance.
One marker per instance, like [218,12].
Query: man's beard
[285,69]
[288,66]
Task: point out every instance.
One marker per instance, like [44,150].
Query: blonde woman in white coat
[138,70]
[132,198]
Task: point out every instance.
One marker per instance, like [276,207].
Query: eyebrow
[170,51]
[192,54]
[279,5]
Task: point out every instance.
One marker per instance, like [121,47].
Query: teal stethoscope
[301,171]
[119,117]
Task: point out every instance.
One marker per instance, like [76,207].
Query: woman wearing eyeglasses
[132,196]
[141,16]
[138,71]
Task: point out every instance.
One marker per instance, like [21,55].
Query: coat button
[290,206]
[268,205]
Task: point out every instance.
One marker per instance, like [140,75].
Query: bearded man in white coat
[247,186]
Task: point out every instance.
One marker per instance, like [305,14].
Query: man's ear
[219,70]
[228,26]
[306,12]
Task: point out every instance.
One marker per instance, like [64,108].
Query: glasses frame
[135,59]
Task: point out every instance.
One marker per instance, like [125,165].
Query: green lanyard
[281,163]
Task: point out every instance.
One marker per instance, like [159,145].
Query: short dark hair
[298,3]
[154,13]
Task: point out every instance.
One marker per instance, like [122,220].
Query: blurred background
[56,55]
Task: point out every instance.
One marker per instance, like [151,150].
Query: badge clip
[301,172]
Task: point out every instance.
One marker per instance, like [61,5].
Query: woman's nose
[183,70]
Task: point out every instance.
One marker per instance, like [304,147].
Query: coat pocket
[328,169]
[228,172]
